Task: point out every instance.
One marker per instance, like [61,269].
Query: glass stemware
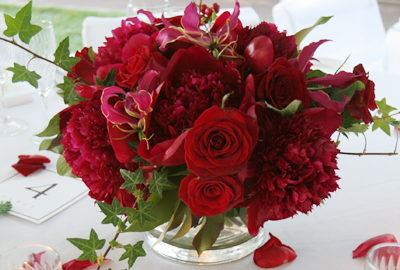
[157,7]
[43,44]
[8,126]
[30,257]
[384,256]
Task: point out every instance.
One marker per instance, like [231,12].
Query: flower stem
[368,154]
[42,58]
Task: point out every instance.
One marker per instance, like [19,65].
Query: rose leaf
[209,233]
[132,252]
[88,247]
[63,168]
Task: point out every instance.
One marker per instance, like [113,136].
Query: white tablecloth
[366,205]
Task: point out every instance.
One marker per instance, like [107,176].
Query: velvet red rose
[282,84]
[210,197]
[221,142]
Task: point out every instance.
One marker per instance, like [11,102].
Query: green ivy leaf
[382,124]
[159,183]
[69,95]
[22,74]
[53,128]
[88,247]
[111,211]
[21,24]
[116,244]
[62,56]
[132,252]
[132,179]
[63,168]
[384,109]
[142,214]
[356,128]
[303,33]
[5,207]
[209,233]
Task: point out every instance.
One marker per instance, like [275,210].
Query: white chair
[356,28]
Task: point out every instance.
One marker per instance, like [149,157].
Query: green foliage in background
[67,22]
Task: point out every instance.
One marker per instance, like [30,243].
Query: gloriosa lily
[218,40]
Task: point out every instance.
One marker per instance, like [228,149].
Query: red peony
[221,142]
[293,170]
[212,196]
[88,151]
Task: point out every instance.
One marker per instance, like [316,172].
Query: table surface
[366,205]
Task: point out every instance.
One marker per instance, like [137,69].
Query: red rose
[363,101]
[282,84]
[210,197]
[221,142]
[134,68]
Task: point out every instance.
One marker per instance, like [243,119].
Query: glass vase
[233,243]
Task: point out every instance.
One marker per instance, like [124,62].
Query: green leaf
[63,168]
[303,33]
[133,146]
[53,128]
[159,183]
[382,124]
[384,109]
[315,73]
[209,233]
[116,244]
[356,128]
[142,214]
[132,252]
[186,225]
[62,56]
[111,211]
[69,95]
[53,145]
[132,179]
[88,247]
[21,24]
[163,210]
[395,124]
[294,107]
[109,80]
[22,74]
[5,207]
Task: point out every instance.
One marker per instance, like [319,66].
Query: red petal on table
[27,168]
[79,265]
[273,253]
[362,250]
[33,159]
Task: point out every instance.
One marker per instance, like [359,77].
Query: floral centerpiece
[194,120]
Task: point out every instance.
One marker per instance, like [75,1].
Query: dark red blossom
[293,170]
[88,151]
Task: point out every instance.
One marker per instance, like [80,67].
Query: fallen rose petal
[33,159]
[362,250]
[273,253]
[27,168]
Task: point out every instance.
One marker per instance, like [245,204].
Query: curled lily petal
[323,100]
[139,102]
[120,135]
[306,54]
[190,19]
[113,106]
[336,80]
[363,248]
[273,253]
[148,14]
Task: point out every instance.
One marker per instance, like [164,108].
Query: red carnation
[294,170]
[87,149]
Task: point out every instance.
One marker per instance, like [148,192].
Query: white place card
[41,195]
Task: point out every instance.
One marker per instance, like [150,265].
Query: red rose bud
[273,253]
[362,250]
[29,164]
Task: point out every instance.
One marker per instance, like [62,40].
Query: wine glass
[43,44]
[30,257]
[385,256]
[8,126]
[157,7]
